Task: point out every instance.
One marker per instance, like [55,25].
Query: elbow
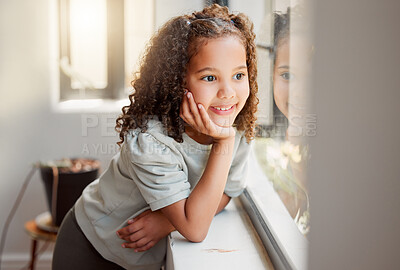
[196,236]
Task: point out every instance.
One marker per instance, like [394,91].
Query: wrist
[223,146]
[224,141]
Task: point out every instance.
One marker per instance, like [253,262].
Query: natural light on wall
[100,43]
[139,27]
[88,43]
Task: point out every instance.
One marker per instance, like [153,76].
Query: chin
[223,122]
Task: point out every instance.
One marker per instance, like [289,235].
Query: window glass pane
[281,146]
[88,43]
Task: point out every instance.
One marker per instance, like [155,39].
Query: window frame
[115,54]
[286,246]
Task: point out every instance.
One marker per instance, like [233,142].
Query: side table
[37,234]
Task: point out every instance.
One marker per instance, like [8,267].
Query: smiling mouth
[223,110]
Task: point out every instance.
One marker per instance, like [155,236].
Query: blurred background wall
[30,130]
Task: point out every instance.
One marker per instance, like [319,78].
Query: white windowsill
[231,243]
[291,241]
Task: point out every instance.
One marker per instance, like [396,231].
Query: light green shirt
[151,171]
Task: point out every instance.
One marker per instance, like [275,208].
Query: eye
[209,78]
[239,76]
[287,76]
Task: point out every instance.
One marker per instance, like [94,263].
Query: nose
[226,91]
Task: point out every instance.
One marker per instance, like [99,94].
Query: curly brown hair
[158,87]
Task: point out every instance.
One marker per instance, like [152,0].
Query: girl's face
[296,74]
[282,76]
[218,79]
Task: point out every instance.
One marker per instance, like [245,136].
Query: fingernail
[130,221]
[123,245]
[200,106]
[189,95]
[186,91]
[118,234]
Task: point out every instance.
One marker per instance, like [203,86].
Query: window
[277,197]
[100,41]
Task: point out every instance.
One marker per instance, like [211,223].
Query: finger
[128,230]
[134,236]
[195,111]
[138,244]
[205,118]
[182,104]
[185,113]
[130,245]
[148,246]
[134,244]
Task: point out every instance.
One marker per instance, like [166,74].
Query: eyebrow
[205,69]
[213,69]
[285,67]
[241,67]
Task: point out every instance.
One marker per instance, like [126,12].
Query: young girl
[184,145]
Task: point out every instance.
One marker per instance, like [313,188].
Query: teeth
[223,109]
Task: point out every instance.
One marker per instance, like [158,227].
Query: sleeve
[156,171]
[236,181]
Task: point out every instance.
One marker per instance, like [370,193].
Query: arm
[223,203]
[192,216]
[144,231]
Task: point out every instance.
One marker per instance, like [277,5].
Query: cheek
[201,95]
[244,92]
[281,91]
[195,89]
